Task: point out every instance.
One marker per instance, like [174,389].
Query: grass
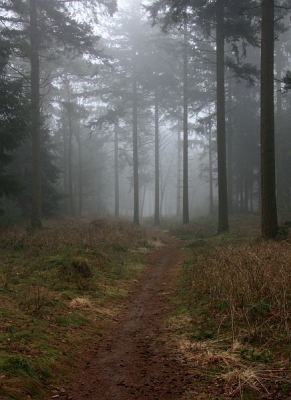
[231,321]
[232,318]
[59,288]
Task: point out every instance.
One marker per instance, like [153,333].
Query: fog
[128,114]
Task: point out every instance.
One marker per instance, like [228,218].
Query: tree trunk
[163,188]
[178,210]
[242,187]
[246,179]
[65,152]
[157,162]
[80,171]
[269,223]
[35,119]
[211,209]
[116,172]
[185,129]
[229,153]
[70,175]
[221,142]
[237,190]
[280,141]
[135,145]
[142,201]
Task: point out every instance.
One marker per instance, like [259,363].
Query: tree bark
[241,185]
[157,162]
[269,223]
[211,208]
[116,172]
[229,153]
[135,145]
[70,144]
[142,201]
[221,141]
[246,179]
[35,119]
[80,171]
[280,140]
[64,153]
[163,189]
[178,210]
[185,129]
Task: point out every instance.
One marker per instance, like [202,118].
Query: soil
[133,360]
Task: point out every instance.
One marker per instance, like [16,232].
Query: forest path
[132,361]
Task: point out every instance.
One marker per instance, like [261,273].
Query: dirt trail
[132,362]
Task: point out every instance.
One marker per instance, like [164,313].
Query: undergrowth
[233,315]
[59,287]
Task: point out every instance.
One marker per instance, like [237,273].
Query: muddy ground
[133,360]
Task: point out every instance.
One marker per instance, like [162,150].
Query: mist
[127,119]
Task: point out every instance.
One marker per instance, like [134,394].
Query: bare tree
[157,162]
[134,141]
[185,129]
[116,171]
[269,223]
[35,118]
[221,141]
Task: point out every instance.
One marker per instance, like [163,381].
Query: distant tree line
[86,114]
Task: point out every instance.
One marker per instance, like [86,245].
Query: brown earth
[133,361]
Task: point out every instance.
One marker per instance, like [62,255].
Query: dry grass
[248,286]
[238,297]
[246,225]
[230,371]
[80,303]
[86,236]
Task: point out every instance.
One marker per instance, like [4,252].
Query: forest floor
[134,361]
[145,355]
[108,311]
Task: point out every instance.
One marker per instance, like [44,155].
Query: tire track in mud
[132,361]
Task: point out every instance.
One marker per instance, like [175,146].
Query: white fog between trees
[166,109]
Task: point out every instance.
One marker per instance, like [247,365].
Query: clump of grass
[77,269]
[240,293]
[248,286]
[17,365]
[35,298]
[80,302]
[229,371]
